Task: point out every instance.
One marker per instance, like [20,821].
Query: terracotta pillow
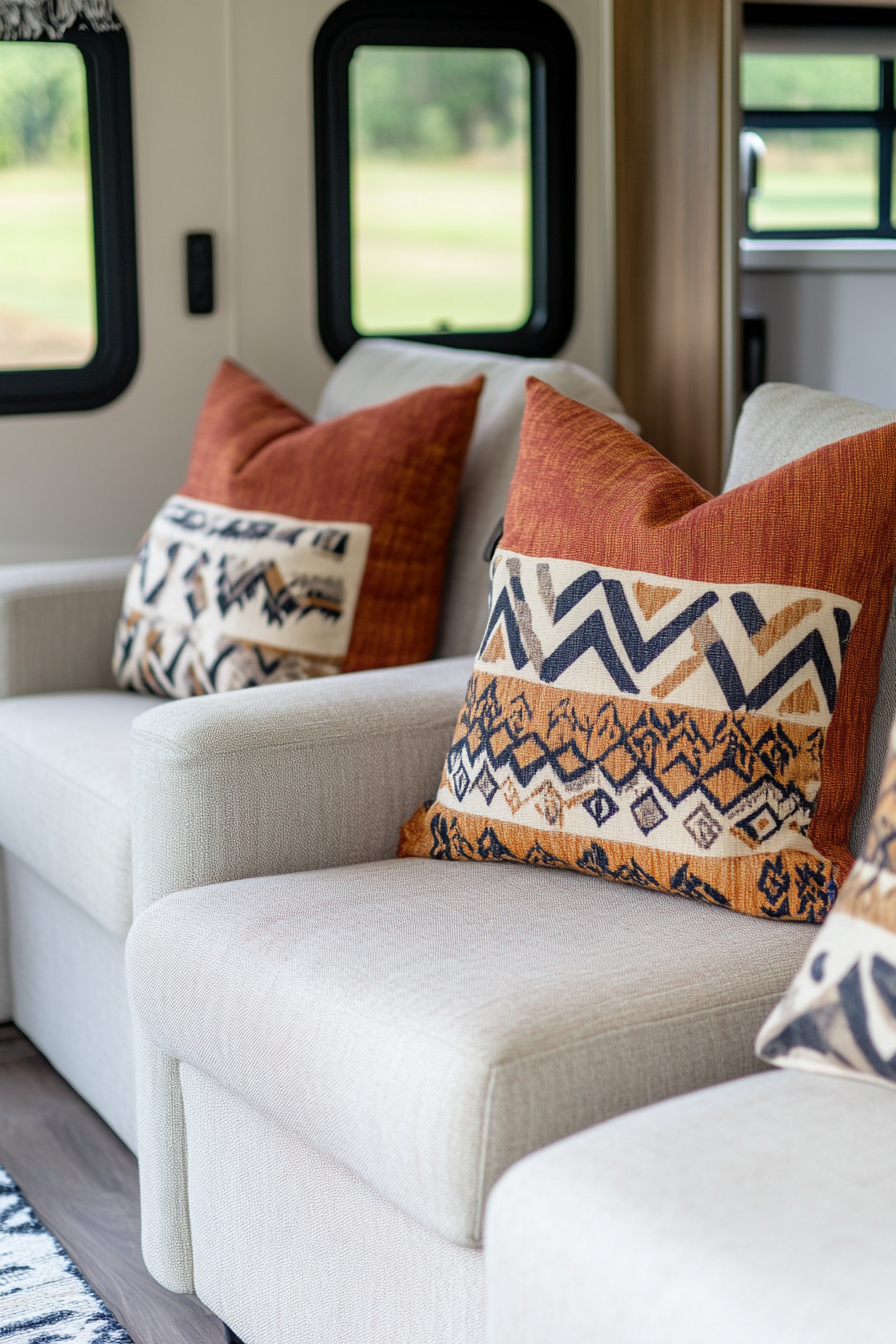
[674,690]
[296,550]
[839,1015]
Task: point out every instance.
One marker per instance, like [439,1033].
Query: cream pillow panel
[219,599]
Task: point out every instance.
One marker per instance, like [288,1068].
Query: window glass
[805,82]
[441,190]
[816,180]
[47,286]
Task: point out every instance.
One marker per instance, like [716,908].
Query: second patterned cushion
[674,690]
[296,550]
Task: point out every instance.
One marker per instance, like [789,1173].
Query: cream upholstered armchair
[342,1052]
[65,750]
[760,1209]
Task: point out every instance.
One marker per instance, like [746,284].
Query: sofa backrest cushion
[378,370]
[779,423]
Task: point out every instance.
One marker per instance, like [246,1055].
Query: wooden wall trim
[671,161]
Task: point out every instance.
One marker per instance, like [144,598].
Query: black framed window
[445,140]
[68,269]
[819,117]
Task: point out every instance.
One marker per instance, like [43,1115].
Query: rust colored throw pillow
[839,1015]
[296,550]
[674,690]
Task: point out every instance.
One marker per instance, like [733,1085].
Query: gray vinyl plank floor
[82,1181]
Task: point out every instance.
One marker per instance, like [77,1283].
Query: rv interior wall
[222,112]
[835,330]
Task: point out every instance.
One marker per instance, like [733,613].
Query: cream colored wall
[223,139]
[87,484]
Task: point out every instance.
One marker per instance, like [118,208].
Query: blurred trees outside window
[47,285]
[820,127]
[441,189]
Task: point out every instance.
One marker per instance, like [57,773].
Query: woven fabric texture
[65,795]
[296,550]
[57,625]
[70,995]
[658,699]
[758,1210]
[290,1245]
[427,1025]
[839,1015]
[218,783]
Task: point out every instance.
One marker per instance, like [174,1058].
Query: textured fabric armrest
[57,625]
[292,778]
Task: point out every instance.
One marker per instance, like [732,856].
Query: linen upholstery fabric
[57,624]
[656,1229]
[350,1268]
[651,702]
[224,778]
[839,1015]
[217,785]
[296,550]
[375,370]
[71,996]
[426,1025]
[65,795]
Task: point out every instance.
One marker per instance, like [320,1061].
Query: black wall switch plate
[200,273]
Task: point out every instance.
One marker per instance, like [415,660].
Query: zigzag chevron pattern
[760,648]
[664,732]
[696,782]
[220,599]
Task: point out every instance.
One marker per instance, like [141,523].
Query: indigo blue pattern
[43,1297]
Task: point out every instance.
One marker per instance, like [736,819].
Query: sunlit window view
[810,82]
[47,287]
[817,180]
[817,125]
[441,190]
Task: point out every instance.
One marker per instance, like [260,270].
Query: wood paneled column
[674,225]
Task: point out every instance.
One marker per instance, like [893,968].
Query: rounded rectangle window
[445,139]
[69,335]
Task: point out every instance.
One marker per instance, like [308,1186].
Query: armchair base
[69,995]
[290,1245]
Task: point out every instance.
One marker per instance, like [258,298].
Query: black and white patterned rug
[43,1297]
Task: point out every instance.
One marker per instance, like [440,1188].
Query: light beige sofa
[65,750]
[756,1212]
[341,1052]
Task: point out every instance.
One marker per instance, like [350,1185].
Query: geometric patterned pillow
[218,600]
[296,550]
[673,690]
[839,1015]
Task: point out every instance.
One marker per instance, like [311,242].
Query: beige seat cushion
[65,795]
[760,1212]
[427,1024]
